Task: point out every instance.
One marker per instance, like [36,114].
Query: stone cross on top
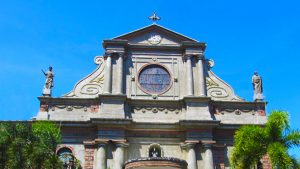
[154,17]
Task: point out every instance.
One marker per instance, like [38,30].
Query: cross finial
[154,17]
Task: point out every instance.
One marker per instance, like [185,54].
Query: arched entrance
[156,163]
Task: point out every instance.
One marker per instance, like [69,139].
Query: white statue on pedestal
[257,87]
[49,82]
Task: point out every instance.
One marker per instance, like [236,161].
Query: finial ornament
[154,17]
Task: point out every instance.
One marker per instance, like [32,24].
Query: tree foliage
[253,142]
[27,146]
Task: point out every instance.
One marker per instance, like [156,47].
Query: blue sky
[241,37]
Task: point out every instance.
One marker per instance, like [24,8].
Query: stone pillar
[89,155]
[189,76]
[191,155]
[201,81]
[208,157]
[108,75]
[100,159]
[119,89]
[119,155]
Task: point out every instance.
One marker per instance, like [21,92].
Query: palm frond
[292,138]
[278,122]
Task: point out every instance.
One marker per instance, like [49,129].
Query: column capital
[121,144]
[208,144]
[108,54]
[200,56]
[111,53]
[89,143]
[122,54]
[101,142]
[189,144]
[188,56]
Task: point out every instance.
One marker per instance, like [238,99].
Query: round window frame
[157,64]
[67,148]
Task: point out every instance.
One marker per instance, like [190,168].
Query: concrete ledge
[114,121]
[196,99]
[122,97]
[199,123]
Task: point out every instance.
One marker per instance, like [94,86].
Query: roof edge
[154,25]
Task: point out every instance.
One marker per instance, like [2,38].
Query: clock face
[154,39]
[154,79]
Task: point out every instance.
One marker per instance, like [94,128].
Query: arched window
[66,156]
[155,151]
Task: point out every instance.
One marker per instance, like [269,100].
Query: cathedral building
[152,102]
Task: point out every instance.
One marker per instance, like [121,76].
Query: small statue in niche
[154,152]
[257,87]
[49,82]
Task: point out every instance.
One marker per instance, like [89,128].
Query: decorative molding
[152,109]
[154,59]
[217,89]
[93,108]
[154,38]
[92,85]
[237,111]
[69,108]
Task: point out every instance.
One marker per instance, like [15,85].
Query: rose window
[154,79]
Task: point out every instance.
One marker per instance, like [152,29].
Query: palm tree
[253,142]
[29,146]
[14,143]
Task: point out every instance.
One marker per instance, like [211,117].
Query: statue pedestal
[47,92]
[258,97]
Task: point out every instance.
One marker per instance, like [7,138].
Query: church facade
[152,97]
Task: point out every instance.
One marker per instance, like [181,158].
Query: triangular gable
[142,35]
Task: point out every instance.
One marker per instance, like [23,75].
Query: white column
[189,76]
[119,89]
[119,155]
[201,82]
[108,73]
[208,157]
[191,155]
[100,159]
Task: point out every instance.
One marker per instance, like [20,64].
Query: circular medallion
[154,79]
[154,39]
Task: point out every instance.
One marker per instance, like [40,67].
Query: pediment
[154,35]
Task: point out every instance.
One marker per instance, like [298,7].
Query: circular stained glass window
[154,79]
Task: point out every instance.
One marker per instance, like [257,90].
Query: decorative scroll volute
[92,85]
[217,89]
